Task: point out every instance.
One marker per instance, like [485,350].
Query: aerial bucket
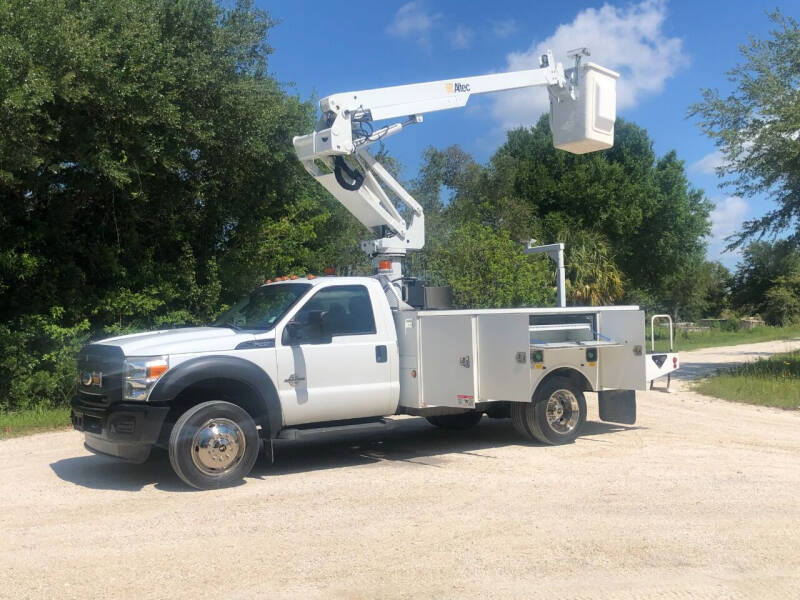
[586,124]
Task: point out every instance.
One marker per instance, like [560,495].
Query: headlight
[140,375]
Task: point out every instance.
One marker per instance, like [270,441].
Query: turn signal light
[385,265]
[310,276]
[292,277]
[329,271]
[156,370]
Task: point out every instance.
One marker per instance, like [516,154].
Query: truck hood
[179,341]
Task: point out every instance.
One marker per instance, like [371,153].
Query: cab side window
[345,309]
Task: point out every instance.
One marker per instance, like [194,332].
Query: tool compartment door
[504,369]
[447,361]
[623,367]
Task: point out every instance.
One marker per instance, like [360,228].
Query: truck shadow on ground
[412,441]
[105,473]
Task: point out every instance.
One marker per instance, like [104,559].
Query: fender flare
[569,371]
[199,369]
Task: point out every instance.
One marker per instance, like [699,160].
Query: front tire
[458,421]
[213,445]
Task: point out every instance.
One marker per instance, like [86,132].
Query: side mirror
[292,333]
[310,331]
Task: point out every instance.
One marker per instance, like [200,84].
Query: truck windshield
[263,308]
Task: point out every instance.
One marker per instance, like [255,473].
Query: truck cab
[293,352]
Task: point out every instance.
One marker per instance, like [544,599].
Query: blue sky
[666,52]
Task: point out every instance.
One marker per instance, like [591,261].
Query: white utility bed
[455,358]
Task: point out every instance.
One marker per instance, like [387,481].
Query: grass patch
[716,336]
[35,420]
[773,381]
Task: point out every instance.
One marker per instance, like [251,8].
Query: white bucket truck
[310,357]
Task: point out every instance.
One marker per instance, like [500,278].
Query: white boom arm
[360,183]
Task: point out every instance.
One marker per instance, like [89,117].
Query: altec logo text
[457,87]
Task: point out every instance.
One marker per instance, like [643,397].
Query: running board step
[335,431]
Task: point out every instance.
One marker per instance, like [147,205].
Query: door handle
[381,354]
[294,379]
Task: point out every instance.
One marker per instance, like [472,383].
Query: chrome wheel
[218,446]
[562,411]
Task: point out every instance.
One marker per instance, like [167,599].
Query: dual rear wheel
[556,415]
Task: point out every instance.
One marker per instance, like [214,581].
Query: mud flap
[617,406]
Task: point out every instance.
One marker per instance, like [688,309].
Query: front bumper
[125,430]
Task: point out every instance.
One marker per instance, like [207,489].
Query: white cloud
[726,219]
[412,20]
[505,28]
[709,163]
[629,40]
[461,37]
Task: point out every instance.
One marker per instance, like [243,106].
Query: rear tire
[213,445]
[558,412]
[518,420]
[458,421]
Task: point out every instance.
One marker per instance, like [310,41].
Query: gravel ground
[701,499]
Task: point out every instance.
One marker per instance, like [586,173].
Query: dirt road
[701,499]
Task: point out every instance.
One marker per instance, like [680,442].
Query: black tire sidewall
[540,427]
[180,444]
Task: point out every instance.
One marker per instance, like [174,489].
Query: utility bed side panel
[503,357]
[623,367]
[447,361]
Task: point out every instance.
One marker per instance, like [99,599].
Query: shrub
[38,359]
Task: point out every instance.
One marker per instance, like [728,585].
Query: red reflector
[674,362]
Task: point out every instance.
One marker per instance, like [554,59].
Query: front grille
[108,360]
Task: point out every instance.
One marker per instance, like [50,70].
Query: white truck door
[345,374]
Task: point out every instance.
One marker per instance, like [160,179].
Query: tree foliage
[630,219]
[486,269]
[146,170]
[761,265]
[147,178]
[756,127]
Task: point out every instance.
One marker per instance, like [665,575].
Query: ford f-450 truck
[311,356]
[308,356]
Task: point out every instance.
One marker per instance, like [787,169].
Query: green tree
[643,221]
[487,269]
[756,127]
[147,175]
[782,300]
[761,265]
[693,291]
[148,150]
